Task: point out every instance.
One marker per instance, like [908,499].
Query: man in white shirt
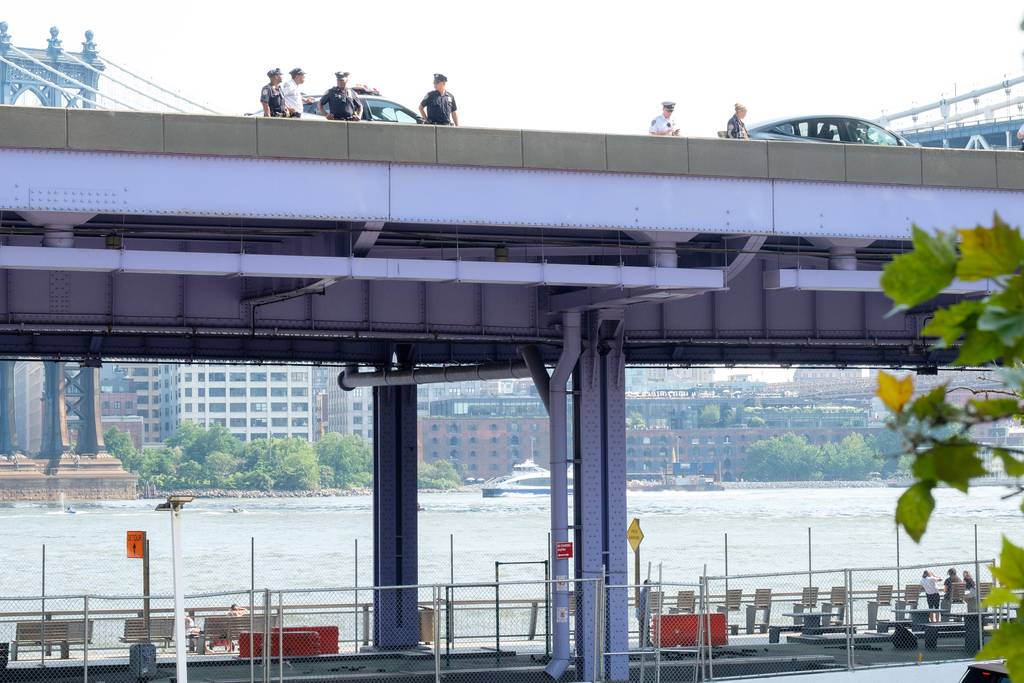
[664,125]
[293,99]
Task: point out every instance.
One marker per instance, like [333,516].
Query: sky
[563,64]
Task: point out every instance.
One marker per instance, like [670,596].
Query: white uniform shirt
[292,96]
[658,125]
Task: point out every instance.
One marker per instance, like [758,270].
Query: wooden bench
[224,630]
[932,633]
[63,632]
[160,629]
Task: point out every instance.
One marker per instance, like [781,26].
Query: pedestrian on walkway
[293,99]
[930,583]
[271,97]
[664,125]
[438,107]
[736,129]
[343,104]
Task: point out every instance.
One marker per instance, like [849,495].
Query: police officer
[271,97]
[438,106]
[342,102]
[664,125]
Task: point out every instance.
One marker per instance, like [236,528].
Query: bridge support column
[55,442]
[7,445]
[600,494]
[87,408]
[396,621]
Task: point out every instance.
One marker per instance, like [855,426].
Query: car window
[784,129]
[403,116]
[876,135]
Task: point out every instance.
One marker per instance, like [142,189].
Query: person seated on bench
[192,630]
[237,611]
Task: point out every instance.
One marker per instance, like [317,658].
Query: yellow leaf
[895,392]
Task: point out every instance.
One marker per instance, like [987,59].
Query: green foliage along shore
[200,457]
[792,458]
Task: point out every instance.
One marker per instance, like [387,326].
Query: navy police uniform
[343,103]
[271,95]
[439,106]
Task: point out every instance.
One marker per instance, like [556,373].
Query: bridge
[168,236]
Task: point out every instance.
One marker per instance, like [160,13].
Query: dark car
[823,128]
[986,673]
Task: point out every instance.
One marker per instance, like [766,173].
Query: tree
[937,433]
[782,458]
[850,460]
[348,457]
[219,466]
[197,442]
[120,445]
[439,475]
[710,415]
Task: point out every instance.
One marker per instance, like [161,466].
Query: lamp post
[174,505]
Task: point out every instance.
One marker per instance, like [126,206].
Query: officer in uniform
[342,102]
[664,125]
[271,97]
[438,106]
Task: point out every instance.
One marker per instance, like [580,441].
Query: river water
[312,542]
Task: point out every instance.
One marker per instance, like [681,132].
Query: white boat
[527,477]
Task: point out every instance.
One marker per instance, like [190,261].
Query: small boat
[70,510]
[237,510]
[527,477]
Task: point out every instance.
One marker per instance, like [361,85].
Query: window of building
[201,391]
[142,400]
[279,435]
[299,391]
[258,407]
[201,377]
[494,427]
[279,407]
[237,376]
[188,391]
[433,427]
[300,422]
[217,391]
[357,432]
[140,372]
[300,407]
[217,376]
[279,422]
[257,377]
[188,407]
[300,376]
[218,407]
[514,440]
[278,391]
[201,407]
[279,377]
[219,421]
[188,376]
[357,405]
[494,439]
[258,391]
[357,419]
[237,422]
[240,437]
[258,422]
[237,407]
[236,392]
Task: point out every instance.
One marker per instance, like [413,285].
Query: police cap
[274,72]
[341,74]
[297,72]
[440,78]
[669,105]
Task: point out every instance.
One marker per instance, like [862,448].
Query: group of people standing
[930,584]
[665,125]
[284,99]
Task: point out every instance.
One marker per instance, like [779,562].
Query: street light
[174,505]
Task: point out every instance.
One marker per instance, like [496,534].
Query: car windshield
[383,110]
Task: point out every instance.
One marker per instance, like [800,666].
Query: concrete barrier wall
[78,129]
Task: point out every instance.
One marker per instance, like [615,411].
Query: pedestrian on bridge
[271,97]
[664,125]
[438,106]
[293,99]
[343,104]
[736,129]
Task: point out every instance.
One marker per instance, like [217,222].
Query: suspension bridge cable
[37,77]
[123,84]
[158,87]
[69,78]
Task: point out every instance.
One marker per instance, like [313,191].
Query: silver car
[827,128]
[375,108]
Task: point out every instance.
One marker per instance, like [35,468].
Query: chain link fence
[717,627]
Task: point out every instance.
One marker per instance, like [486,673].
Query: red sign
[563,550]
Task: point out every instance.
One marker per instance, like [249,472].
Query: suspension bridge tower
[51,76]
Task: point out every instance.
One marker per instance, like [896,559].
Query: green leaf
[1000,595]
[979,348]
[920,275]
[1012,377]
[915,508]
[949,324]
[954,463]
[1010,570]
[1007,642]
[930,405]
[995,408]
[989,252]
[1012,466]
[1007,324]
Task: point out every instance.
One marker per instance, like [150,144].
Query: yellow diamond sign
[634,535]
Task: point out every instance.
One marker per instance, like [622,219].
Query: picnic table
[920,617]
[809,620]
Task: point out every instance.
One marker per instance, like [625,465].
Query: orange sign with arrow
[136,544]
